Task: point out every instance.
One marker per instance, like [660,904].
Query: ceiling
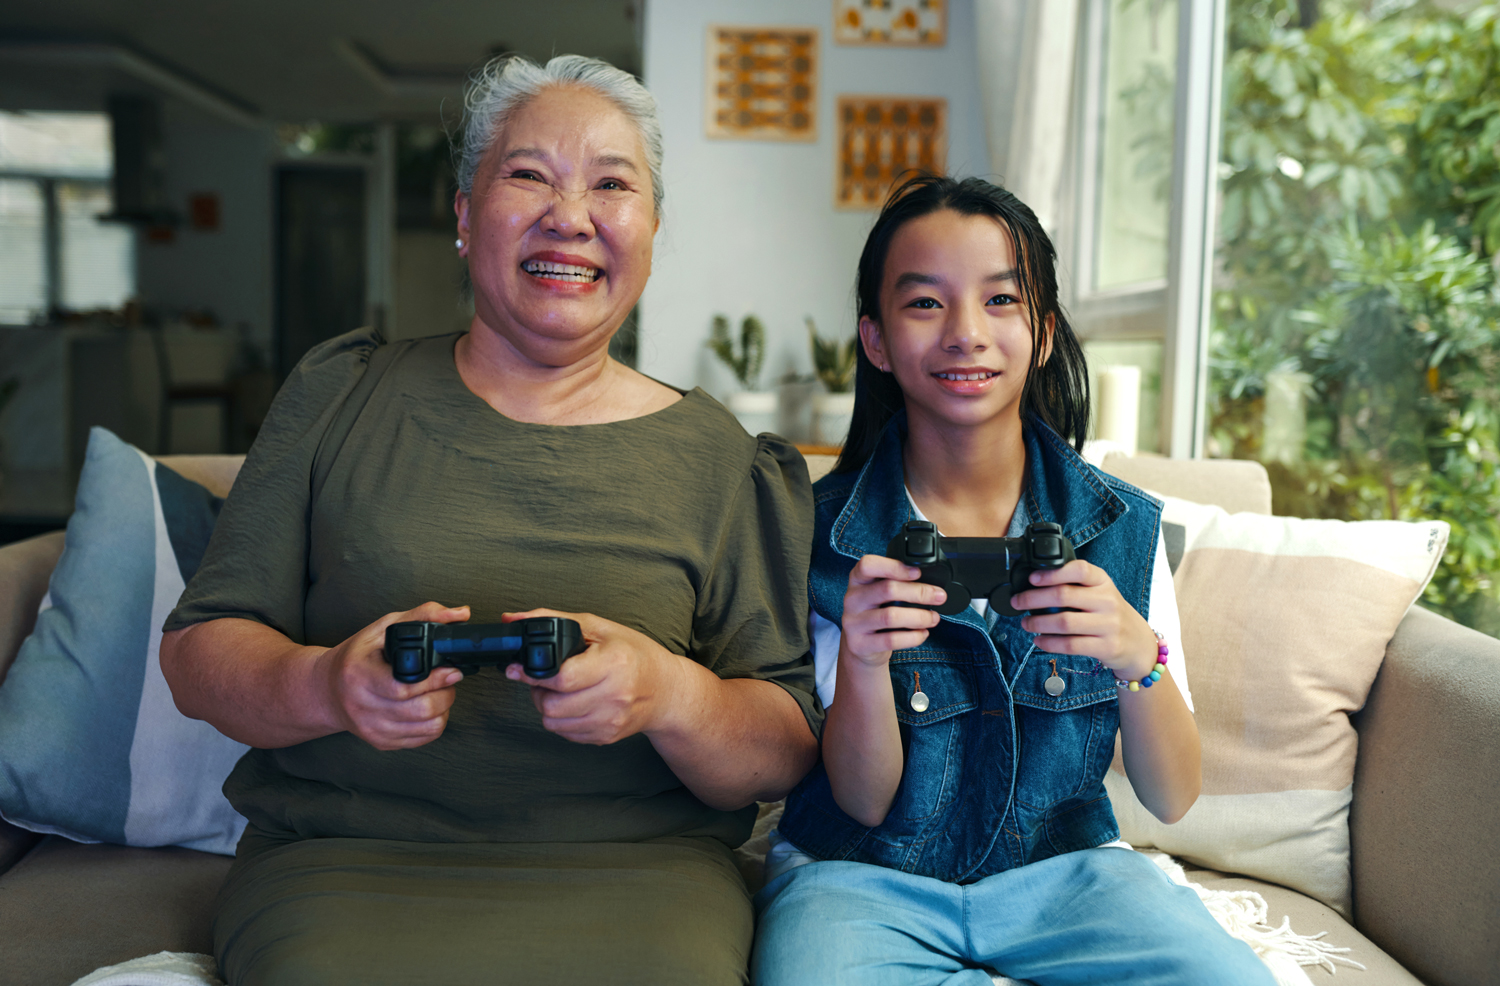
[290,60]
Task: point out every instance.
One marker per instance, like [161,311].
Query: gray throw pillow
[92,746]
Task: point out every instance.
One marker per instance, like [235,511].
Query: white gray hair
[508,82]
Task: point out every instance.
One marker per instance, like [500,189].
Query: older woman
[575,829]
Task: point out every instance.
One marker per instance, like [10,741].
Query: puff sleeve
[255,567]
[751,616]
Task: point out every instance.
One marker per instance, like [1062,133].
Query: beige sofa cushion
[1284,624]
[1237,485]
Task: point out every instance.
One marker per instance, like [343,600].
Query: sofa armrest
[1425,821]
[15,842]
[25,568]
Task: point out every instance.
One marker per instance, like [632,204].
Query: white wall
[228,271]
[750,225]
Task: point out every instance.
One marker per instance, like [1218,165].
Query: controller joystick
[539,644]
[990,568]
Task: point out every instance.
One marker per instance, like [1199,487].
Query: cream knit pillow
[1285,622]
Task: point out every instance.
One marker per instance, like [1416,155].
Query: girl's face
[953,328]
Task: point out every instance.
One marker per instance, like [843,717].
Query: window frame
[1174,310]
[52,233]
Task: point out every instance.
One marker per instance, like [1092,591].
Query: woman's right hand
[366,699]
[872,628]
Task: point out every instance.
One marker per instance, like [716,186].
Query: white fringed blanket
[1243,913]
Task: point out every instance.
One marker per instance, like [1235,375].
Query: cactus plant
[746,363]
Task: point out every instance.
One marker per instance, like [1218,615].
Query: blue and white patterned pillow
[92,746]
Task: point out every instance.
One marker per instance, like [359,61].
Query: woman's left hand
[614,689]
[1096,620]
[731,741]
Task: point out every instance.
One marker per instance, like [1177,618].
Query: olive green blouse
[373,490]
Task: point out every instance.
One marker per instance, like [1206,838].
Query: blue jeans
[1094,916]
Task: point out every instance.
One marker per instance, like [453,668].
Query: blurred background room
[1277,220]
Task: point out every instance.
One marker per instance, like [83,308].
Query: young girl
[958,822]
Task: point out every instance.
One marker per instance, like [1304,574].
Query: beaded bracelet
[1155,675]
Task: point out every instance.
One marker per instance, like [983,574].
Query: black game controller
[992,568]
[539,644]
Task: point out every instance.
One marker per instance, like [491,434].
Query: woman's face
[558,226]
[953,328]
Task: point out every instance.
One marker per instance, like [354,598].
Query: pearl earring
[459,244]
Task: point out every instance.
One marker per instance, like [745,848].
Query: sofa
[1424,834]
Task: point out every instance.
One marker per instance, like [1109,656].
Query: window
[1356,322]
[23,266]
[1135,152]
[55,254]
[1145,140]
[1124,209]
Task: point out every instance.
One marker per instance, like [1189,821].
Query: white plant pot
[831,415]
[756,410]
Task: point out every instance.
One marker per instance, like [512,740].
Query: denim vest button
[1055,685]
[919,701]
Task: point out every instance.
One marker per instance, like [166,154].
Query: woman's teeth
[561,272]
[981,375]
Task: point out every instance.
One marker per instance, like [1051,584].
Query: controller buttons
[539,657]
[408,660]
[957,601]
[1047,547]
[408,631]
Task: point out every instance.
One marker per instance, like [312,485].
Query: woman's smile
[562,269]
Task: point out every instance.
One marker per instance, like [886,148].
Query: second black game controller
[539,644]
[988,568]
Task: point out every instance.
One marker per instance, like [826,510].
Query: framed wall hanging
[762,83]
[922,23]
[880,138]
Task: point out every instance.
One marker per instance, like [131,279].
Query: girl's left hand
[1096,620]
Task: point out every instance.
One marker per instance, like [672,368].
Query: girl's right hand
[368,701]
[872,626]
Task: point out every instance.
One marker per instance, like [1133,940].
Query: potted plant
[833,362]
[755,409]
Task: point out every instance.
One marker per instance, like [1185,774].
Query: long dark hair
[1057,391]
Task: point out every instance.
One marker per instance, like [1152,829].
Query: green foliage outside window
[1360,231]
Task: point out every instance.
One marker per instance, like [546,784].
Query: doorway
[320,257]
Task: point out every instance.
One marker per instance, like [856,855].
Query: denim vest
[998,773]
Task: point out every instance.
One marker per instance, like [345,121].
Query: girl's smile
[966,381]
